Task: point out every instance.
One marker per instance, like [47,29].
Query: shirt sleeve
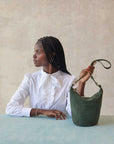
[15,106]
[68,106]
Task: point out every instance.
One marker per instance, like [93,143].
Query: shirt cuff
[26,112]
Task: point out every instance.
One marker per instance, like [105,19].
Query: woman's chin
[36,65]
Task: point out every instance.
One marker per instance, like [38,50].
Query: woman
[48,88]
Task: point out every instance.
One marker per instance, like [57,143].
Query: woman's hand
[87,72]
[50,113]
[54,113]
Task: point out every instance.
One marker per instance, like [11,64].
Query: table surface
[42,129]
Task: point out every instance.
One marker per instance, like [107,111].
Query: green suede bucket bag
[86,110]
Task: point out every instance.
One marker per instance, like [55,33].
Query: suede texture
[85,110]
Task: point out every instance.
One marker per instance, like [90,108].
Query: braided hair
[54,52]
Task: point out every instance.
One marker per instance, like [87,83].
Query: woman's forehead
[38,46]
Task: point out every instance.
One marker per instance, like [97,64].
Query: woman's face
[39,57]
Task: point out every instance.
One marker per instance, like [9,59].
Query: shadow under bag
[86,110]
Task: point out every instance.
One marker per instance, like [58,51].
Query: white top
[46,91]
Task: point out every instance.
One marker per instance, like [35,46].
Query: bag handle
[101,62]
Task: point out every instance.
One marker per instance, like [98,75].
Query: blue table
[46,130]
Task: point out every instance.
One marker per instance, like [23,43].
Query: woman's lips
[34,61]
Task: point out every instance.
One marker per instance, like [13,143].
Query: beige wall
[84,27]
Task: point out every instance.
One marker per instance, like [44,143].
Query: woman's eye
[38,52]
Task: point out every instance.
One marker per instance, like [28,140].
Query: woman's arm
[82,81]
[15,106]
[80,88]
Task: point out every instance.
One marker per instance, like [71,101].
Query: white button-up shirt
[45,91]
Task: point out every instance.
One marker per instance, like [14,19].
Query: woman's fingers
[90,69]
[56,116]
[86,73]
[55,113]
[63,115]
[60,115]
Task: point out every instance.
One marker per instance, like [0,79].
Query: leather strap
[101,62]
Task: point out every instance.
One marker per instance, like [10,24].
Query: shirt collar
[53,74]
[46,77]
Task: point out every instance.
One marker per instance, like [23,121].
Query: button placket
[50,93]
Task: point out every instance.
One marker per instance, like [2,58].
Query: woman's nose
[34,56]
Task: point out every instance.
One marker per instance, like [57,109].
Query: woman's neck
[50,69]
